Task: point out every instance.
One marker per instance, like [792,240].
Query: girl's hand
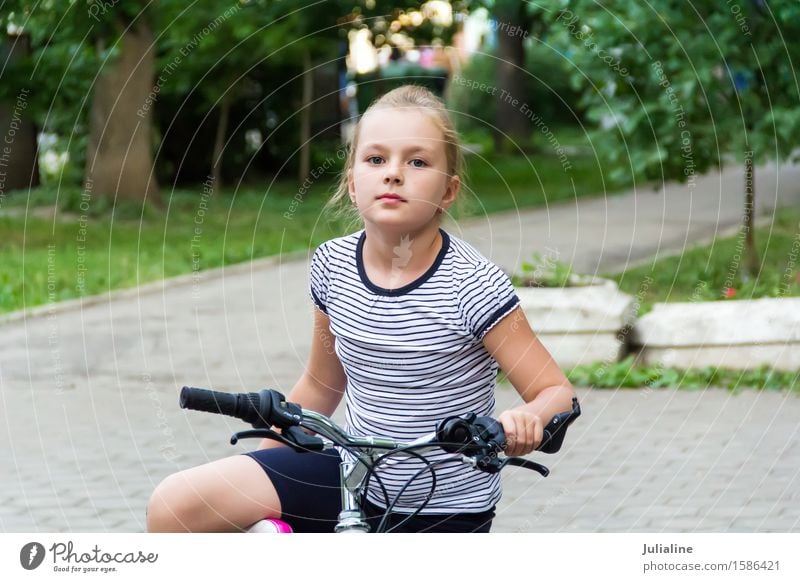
[524,431]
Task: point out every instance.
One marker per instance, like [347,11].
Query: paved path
[608,234]
[91,422]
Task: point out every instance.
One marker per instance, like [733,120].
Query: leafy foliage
[246,57]
[544,271]
[547,90]
[678,86]
[627,374]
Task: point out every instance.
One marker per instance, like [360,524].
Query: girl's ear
[351,187]
[450,195]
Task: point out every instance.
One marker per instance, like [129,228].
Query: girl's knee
[226,495]
[170,506]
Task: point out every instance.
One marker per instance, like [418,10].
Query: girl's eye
[374,159]
[417,163]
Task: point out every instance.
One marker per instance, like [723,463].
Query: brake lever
[293,437]
[527,464]
[493,464]
[263,433]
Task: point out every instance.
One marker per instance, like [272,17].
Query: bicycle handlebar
[477,439]
[467,434]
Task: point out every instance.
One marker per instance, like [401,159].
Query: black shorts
[309,488]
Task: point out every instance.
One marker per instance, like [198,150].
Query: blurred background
[126,109]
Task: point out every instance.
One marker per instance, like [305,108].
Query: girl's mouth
[390,197]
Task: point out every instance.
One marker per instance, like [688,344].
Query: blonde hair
[405,97]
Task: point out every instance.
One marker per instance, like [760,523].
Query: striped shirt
[414,356]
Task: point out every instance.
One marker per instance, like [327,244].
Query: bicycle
[478,440]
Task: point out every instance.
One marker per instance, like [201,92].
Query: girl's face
[399,178]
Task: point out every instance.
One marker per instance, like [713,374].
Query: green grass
[498,184]
[45,260]
[716,271]
[629,374]
[626,374]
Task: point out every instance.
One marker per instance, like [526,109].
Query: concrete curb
[742,335]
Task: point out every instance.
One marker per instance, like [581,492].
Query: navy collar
[405,288]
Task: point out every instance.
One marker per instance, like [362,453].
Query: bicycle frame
[352,473]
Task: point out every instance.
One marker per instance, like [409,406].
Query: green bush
[627,374]
[543,271]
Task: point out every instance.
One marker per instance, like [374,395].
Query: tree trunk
[510,123]
[219,143]
[305,119]
[19,168]
[753,262]
[119,160]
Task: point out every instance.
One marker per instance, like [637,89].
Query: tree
[18,160]
[514,22]
[230,48]
[682,86]
[119,156]
[125,54]
[99,50]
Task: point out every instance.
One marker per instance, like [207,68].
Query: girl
[410,327]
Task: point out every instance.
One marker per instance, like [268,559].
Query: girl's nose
[392,175]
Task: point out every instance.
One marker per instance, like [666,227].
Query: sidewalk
[89,396]
[609,234]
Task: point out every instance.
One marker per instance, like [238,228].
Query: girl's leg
[232,494]
[226,495]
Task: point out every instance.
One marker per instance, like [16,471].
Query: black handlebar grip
[554,432]
[244,406]
[207,400]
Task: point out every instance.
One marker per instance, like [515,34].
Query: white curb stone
[741,335]
[579,325]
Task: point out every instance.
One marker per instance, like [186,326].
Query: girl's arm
[322,384]
[535,375]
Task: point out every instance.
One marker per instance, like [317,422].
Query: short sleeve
[485,298]
[319,278]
